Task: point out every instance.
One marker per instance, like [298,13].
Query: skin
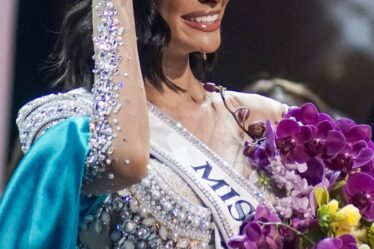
[200,112]
[132,142]
[176,66]
[206,117]
[201,106]
[184,39]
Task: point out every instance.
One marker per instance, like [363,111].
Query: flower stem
[221,91]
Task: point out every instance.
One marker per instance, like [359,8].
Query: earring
[204,56]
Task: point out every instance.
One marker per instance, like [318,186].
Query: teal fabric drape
[41,206]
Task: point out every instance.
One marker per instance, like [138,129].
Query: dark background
[326,44]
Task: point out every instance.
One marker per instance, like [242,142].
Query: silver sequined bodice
[160,212]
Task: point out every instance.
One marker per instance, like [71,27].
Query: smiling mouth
[207,21]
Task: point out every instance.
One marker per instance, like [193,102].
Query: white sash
[227,194]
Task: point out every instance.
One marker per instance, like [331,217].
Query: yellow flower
[351,215]
[360,235]
[346,220]
[326,214]
[332,207]
[371,235]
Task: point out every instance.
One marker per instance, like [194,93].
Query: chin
[190,40]
[207,45]
[197,42]
[209,49]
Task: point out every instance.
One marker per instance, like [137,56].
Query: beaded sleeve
[107,40]
[40,114]
[117,77]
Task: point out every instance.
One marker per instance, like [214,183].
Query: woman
[193,194]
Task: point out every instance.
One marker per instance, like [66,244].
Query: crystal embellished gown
[191,198]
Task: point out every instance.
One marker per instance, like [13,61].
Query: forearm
[128,154]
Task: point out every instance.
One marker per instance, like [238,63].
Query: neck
[177,69]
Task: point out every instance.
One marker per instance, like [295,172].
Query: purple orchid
[308,149]
[305,133]
[258,155]
[304,136]
[358,151]
[315,173]
[307,114]
[369,168]
[345,241]
[256,234]
[359,191]
[288,142]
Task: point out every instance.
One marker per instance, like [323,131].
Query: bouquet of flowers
[322,173]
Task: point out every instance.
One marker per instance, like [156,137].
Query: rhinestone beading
[39,115]
[152,215]
[106,91]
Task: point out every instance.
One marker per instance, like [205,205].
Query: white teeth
[210,18]
[205,19]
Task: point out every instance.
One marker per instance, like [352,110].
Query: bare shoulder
[261,107]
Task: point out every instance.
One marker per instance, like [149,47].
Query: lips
[206,21]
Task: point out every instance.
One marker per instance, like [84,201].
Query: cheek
[170,10]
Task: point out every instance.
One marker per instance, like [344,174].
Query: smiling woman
[189,19]
[204,21]
[143,153]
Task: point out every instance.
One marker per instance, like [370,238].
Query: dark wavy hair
[73,57]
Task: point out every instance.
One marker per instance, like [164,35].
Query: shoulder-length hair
[73,57]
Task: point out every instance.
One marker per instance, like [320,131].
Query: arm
[121,119]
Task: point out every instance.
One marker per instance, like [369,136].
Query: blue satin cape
[42,206]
